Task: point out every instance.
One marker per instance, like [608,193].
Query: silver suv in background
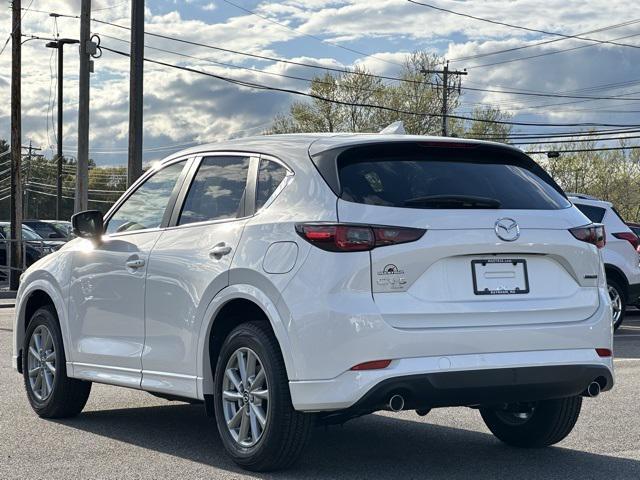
[620,254]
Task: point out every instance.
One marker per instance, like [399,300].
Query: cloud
[209,7]
[181,107]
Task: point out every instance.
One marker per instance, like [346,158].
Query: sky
[182,108]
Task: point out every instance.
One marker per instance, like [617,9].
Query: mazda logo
[507,229]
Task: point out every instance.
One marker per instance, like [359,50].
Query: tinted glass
[217,191]
[270,175]
[145,207]
[595,214]
[45,230]
[445,178]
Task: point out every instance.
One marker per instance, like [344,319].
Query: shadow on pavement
[370,447]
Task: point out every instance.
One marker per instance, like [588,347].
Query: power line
[579,140]
[258,86]
[520,27]
[26,10]
[341,70]
[546,42]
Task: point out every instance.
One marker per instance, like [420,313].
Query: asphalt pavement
[127,434]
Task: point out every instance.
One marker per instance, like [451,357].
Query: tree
[348,96]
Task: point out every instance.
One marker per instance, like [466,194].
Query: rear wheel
[51,393]
[618,301]
[538,424]
[258,425]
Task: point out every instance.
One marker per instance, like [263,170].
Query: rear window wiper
[453,201]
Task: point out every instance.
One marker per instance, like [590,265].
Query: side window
[145,207]
[270,175]
[595,214]
[217,191]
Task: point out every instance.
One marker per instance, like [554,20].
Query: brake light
[374,365]
[343,237]
[630,237]
[593,234]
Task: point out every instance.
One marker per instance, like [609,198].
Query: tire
[615,289]
[63,397]
[280,442]
[549,422]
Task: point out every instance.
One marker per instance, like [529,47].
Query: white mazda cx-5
[286,281]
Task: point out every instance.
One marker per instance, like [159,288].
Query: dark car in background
[46,229]
[35,247]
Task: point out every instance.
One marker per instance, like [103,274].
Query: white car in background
[291,280]
[620,253]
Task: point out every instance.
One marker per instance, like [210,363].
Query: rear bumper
[485,387]
[458,380]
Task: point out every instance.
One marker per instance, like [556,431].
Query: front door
[107,288]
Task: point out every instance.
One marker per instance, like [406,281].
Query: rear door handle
[220,250]
[139,263]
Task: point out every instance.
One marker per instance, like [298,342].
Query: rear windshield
[422,177]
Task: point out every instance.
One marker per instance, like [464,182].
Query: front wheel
[258,425]
[51,393]
[534,425]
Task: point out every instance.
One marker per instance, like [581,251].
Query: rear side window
[423,177]
[595,214]
[270,176]
[217,191]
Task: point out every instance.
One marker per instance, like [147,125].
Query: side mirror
[88,224]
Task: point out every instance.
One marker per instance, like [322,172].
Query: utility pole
[30,149]
[59,45]
[86,64]
[444,75]
[136,73]
[15,265]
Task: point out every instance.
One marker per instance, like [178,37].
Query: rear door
[497,250]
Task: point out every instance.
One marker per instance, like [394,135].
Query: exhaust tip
[396,403]
[593,390]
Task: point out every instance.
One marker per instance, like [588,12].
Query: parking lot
[130,434]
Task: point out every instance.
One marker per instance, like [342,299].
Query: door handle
[220,250]
[139,263]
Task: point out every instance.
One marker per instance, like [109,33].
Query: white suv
[290,280]
[620,254]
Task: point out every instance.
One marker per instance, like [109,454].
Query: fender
[268,306]
[44,281]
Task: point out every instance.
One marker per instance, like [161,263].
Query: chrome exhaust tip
[593,390]
[396,403]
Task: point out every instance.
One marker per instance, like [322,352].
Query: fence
[32,250]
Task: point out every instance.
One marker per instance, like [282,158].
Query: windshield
[27,233]
[430,178]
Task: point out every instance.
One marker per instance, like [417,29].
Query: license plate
[499,276]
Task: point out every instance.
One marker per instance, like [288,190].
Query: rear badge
[507,229]
[392,277]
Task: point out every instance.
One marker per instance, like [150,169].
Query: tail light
[630,237]
[342,237]
[593,234]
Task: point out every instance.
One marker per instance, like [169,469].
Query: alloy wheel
[616,303]
[245,397]
[41,363]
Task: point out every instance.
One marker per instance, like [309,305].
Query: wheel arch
[37,294]
[614,272]
[222,316]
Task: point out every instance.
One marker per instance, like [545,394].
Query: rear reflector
[593,234]
[630,237]
[343,237]
[375,365]
[604,352]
